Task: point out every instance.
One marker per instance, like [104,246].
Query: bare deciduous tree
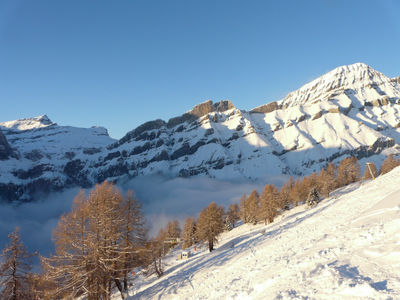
[389,164]
[95,244]
[15,269]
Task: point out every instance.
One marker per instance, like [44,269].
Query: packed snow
[347,247]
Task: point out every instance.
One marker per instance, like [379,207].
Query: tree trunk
[14,277]
[125,282]
[210,245]
[119,286]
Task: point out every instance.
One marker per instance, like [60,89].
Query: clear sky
[120,63]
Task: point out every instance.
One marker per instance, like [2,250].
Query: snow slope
[348,247]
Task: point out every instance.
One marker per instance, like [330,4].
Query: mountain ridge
[352,110]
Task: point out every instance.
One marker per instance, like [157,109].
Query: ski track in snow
[348,247]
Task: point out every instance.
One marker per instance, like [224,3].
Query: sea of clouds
[162,199]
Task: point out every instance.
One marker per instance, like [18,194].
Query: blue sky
[120,63]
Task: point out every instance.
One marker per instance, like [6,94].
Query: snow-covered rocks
[5,149]
[28,123]
[352,110]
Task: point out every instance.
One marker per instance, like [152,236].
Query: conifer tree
[285,194]
[232,215]
[307,185]
[173,229]
[95,244]
[313,198]
[189,232]
[210,224]
[243,209]
[253,204]
[40,287]
[154,253]
[269,203]
[389,164]
[327,179]
[296,193]
[15,267]
[134,235]
[349,171]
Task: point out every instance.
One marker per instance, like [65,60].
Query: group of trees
[212,220]
[389,164]
[272,201]
[210,223]
[265,207]
[96,245]
[104,236]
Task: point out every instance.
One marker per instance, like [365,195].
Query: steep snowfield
[348,247]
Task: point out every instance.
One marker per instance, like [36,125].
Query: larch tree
[327,179]
[308,184]
[303,189]
[252,205]
[94,245]
[173,229]
[269,203]
[15,267]
[40,287]
[68,268]
[134,235]
[210,224]
[232,215]
[154,253]
[296,193]
[349,171]
[388,164]
[243,209]
[189,232]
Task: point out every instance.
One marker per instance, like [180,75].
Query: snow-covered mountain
[347,247]
[43,156]
[350,110]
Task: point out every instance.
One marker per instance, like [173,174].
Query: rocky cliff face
[352,110]
[5,149]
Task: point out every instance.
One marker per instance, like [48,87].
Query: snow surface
[348,247]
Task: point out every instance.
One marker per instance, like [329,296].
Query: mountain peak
[44,119]
[355,77]
[208,106]
[28,123]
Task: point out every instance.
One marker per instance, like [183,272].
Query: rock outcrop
[5,149]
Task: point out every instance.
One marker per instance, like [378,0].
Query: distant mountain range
[352,110]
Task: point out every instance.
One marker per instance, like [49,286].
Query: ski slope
[348,247]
